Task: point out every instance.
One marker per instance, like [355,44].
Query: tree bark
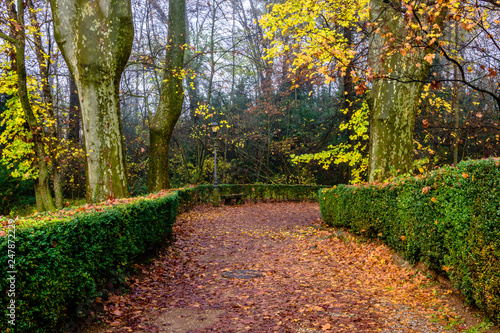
[161,125]
[95,38]
[393,104]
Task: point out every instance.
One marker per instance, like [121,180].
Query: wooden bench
[228,197]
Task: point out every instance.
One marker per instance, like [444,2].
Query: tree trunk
[161,125]
[38,197]
[95,38]
[393,104]
[53,126]
[349,96]
[455,104]
[44,197]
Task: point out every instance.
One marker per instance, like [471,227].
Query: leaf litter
[314,279]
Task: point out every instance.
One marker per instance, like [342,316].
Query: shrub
[62,264]
[278,192]
[449,219]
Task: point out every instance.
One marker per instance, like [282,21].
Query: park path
[313,279]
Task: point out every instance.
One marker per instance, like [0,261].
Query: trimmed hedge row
[449,219]
[62,265]
[254,192]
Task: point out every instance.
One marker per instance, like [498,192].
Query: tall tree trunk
[393,104]
[349,96]
[42,189]
[161,125]
[53,126]
[95,38]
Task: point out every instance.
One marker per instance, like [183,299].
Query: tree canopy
[318,92]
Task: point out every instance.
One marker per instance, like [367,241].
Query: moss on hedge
[449,219]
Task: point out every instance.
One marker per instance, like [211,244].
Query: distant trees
[448,42]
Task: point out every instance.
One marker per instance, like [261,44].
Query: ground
[275,267]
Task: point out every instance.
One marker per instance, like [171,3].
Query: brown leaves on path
[314,280]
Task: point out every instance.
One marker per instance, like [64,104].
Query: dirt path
[311,279]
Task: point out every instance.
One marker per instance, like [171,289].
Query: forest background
[290,98]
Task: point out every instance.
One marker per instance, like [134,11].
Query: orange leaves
[468,26]
[465,175]
[433,199]
[117,313]
[447,268]
[430,58]
[316,308]
[314,279]
[326,327]
[435,84]
[360,89]
[426,189]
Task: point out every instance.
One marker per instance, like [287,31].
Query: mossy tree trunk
[394,97]
[95,38]
[162,123]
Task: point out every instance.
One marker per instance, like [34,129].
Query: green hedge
[63,264]
[449,219]
[254,192]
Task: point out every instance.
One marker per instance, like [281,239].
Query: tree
[397,69]
[95,38]
[17,38]
[393,104]
[322,38]
[428,35]
[53,139]
[162,123]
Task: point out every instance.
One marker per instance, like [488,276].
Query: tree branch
[8,38]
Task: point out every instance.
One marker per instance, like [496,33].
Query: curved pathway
[274,267]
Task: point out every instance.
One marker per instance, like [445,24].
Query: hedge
[449,219]
[63,263]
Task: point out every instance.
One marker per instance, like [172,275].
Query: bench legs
[238,200]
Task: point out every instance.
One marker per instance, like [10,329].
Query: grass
[482,327]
